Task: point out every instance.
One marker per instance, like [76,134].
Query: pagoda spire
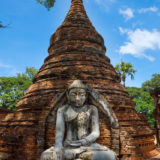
[77,14]
[76,33]
[77,7]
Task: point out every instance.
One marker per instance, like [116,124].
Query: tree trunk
[124,79]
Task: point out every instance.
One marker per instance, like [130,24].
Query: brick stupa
[76,51]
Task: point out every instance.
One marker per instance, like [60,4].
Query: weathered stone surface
[76,51]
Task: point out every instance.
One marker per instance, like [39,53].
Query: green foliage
[47,3]
[125,69]
[134,92]
[3,26]
[13,88]
[144,103]
[152,84]
[31,72]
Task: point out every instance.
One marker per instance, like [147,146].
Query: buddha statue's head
[77,93]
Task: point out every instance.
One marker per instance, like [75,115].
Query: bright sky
[130,28]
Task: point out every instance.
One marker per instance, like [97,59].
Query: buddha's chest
[79,124]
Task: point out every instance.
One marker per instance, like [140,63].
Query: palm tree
[125,69]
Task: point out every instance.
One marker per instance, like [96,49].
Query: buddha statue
[77,129]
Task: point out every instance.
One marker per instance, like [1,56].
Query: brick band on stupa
[76,51]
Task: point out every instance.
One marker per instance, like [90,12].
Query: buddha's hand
[59,153]
[79,143]
[72,143]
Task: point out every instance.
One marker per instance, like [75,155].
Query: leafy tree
[47,3]
[134,92]
[13,88]
[144,103]
[31,72]
[3,26]
[124,70]
[152,84]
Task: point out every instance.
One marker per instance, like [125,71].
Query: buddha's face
[77,97]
